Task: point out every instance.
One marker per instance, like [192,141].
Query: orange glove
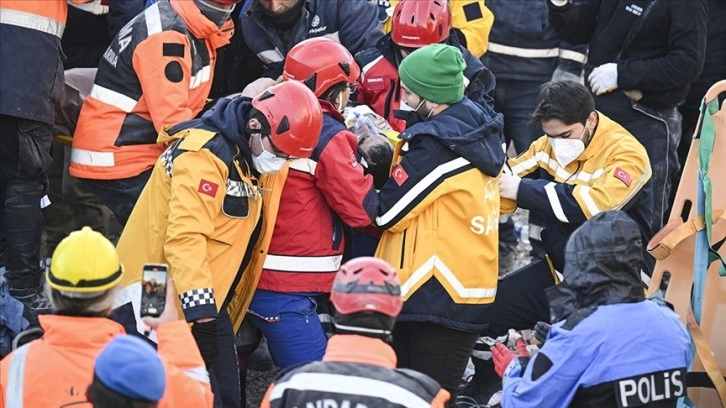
[502,356]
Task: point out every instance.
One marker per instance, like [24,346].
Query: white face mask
[267,162]
[405,107]
[567,150]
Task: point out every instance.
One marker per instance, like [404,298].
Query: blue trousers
[291,325]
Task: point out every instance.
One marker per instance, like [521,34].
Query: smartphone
[153,289]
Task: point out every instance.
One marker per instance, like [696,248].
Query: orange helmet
[294,115]
[367,284]
[320,63]
[418,23]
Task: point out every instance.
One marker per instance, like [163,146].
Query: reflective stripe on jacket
[356,371]
[523,44]
[66,355]
[157,72]
[321,196]
[31,69]
[612,173]
[198,214]
[440,210]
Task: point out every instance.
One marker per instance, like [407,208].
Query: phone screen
[153,289]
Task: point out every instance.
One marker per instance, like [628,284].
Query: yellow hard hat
[84,264]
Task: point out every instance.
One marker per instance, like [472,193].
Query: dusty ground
[257,382]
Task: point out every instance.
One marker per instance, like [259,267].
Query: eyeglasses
[353,86]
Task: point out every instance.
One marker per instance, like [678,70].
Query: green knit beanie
[435,72]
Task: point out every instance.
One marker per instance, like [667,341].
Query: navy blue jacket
[354,23]
[523,45]
[662,60]
[463,130]
[31,73]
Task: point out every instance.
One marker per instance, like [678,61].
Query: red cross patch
[623,176]
[208,188]
[399,174]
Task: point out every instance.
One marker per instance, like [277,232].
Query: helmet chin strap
[362,329]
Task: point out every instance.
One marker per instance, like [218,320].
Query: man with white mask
[202,214]
[322,195]
[584,164]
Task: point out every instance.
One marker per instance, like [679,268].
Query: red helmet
[367,284]
[320,63]
[418,23]
[294,115]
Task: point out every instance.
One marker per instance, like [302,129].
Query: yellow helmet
[84,265]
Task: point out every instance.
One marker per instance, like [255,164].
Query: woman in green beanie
[440,210]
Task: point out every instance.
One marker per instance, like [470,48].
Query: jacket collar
[330,110]
[79,331]
[200,26]
[352,348]
[597,140]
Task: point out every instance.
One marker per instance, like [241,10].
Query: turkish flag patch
[399,174]
[208,188]
[623,176]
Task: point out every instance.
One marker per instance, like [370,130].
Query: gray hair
[99,305]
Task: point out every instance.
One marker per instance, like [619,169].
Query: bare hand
[509,186]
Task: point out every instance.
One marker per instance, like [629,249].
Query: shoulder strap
[635,29]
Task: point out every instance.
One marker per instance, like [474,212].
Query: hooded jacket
[601,352]
[440,210]
[199,212]
[380,87]
[157,72]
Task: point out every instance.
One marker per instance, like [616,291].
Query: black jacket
[661,61]
[87,35]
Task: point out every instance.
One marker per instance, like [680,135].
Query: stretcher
[690,253]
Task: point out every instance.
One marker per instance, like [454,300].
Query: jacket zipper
[387,105]
[403,249]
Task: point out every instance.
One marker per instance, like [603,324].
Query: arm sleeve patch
[173,50]
[174,72]
[540,365]
[472,11]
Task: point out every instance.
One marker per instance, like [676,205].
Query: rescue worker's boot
[260,359]
[243,355]
[22,221]
[484,388]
